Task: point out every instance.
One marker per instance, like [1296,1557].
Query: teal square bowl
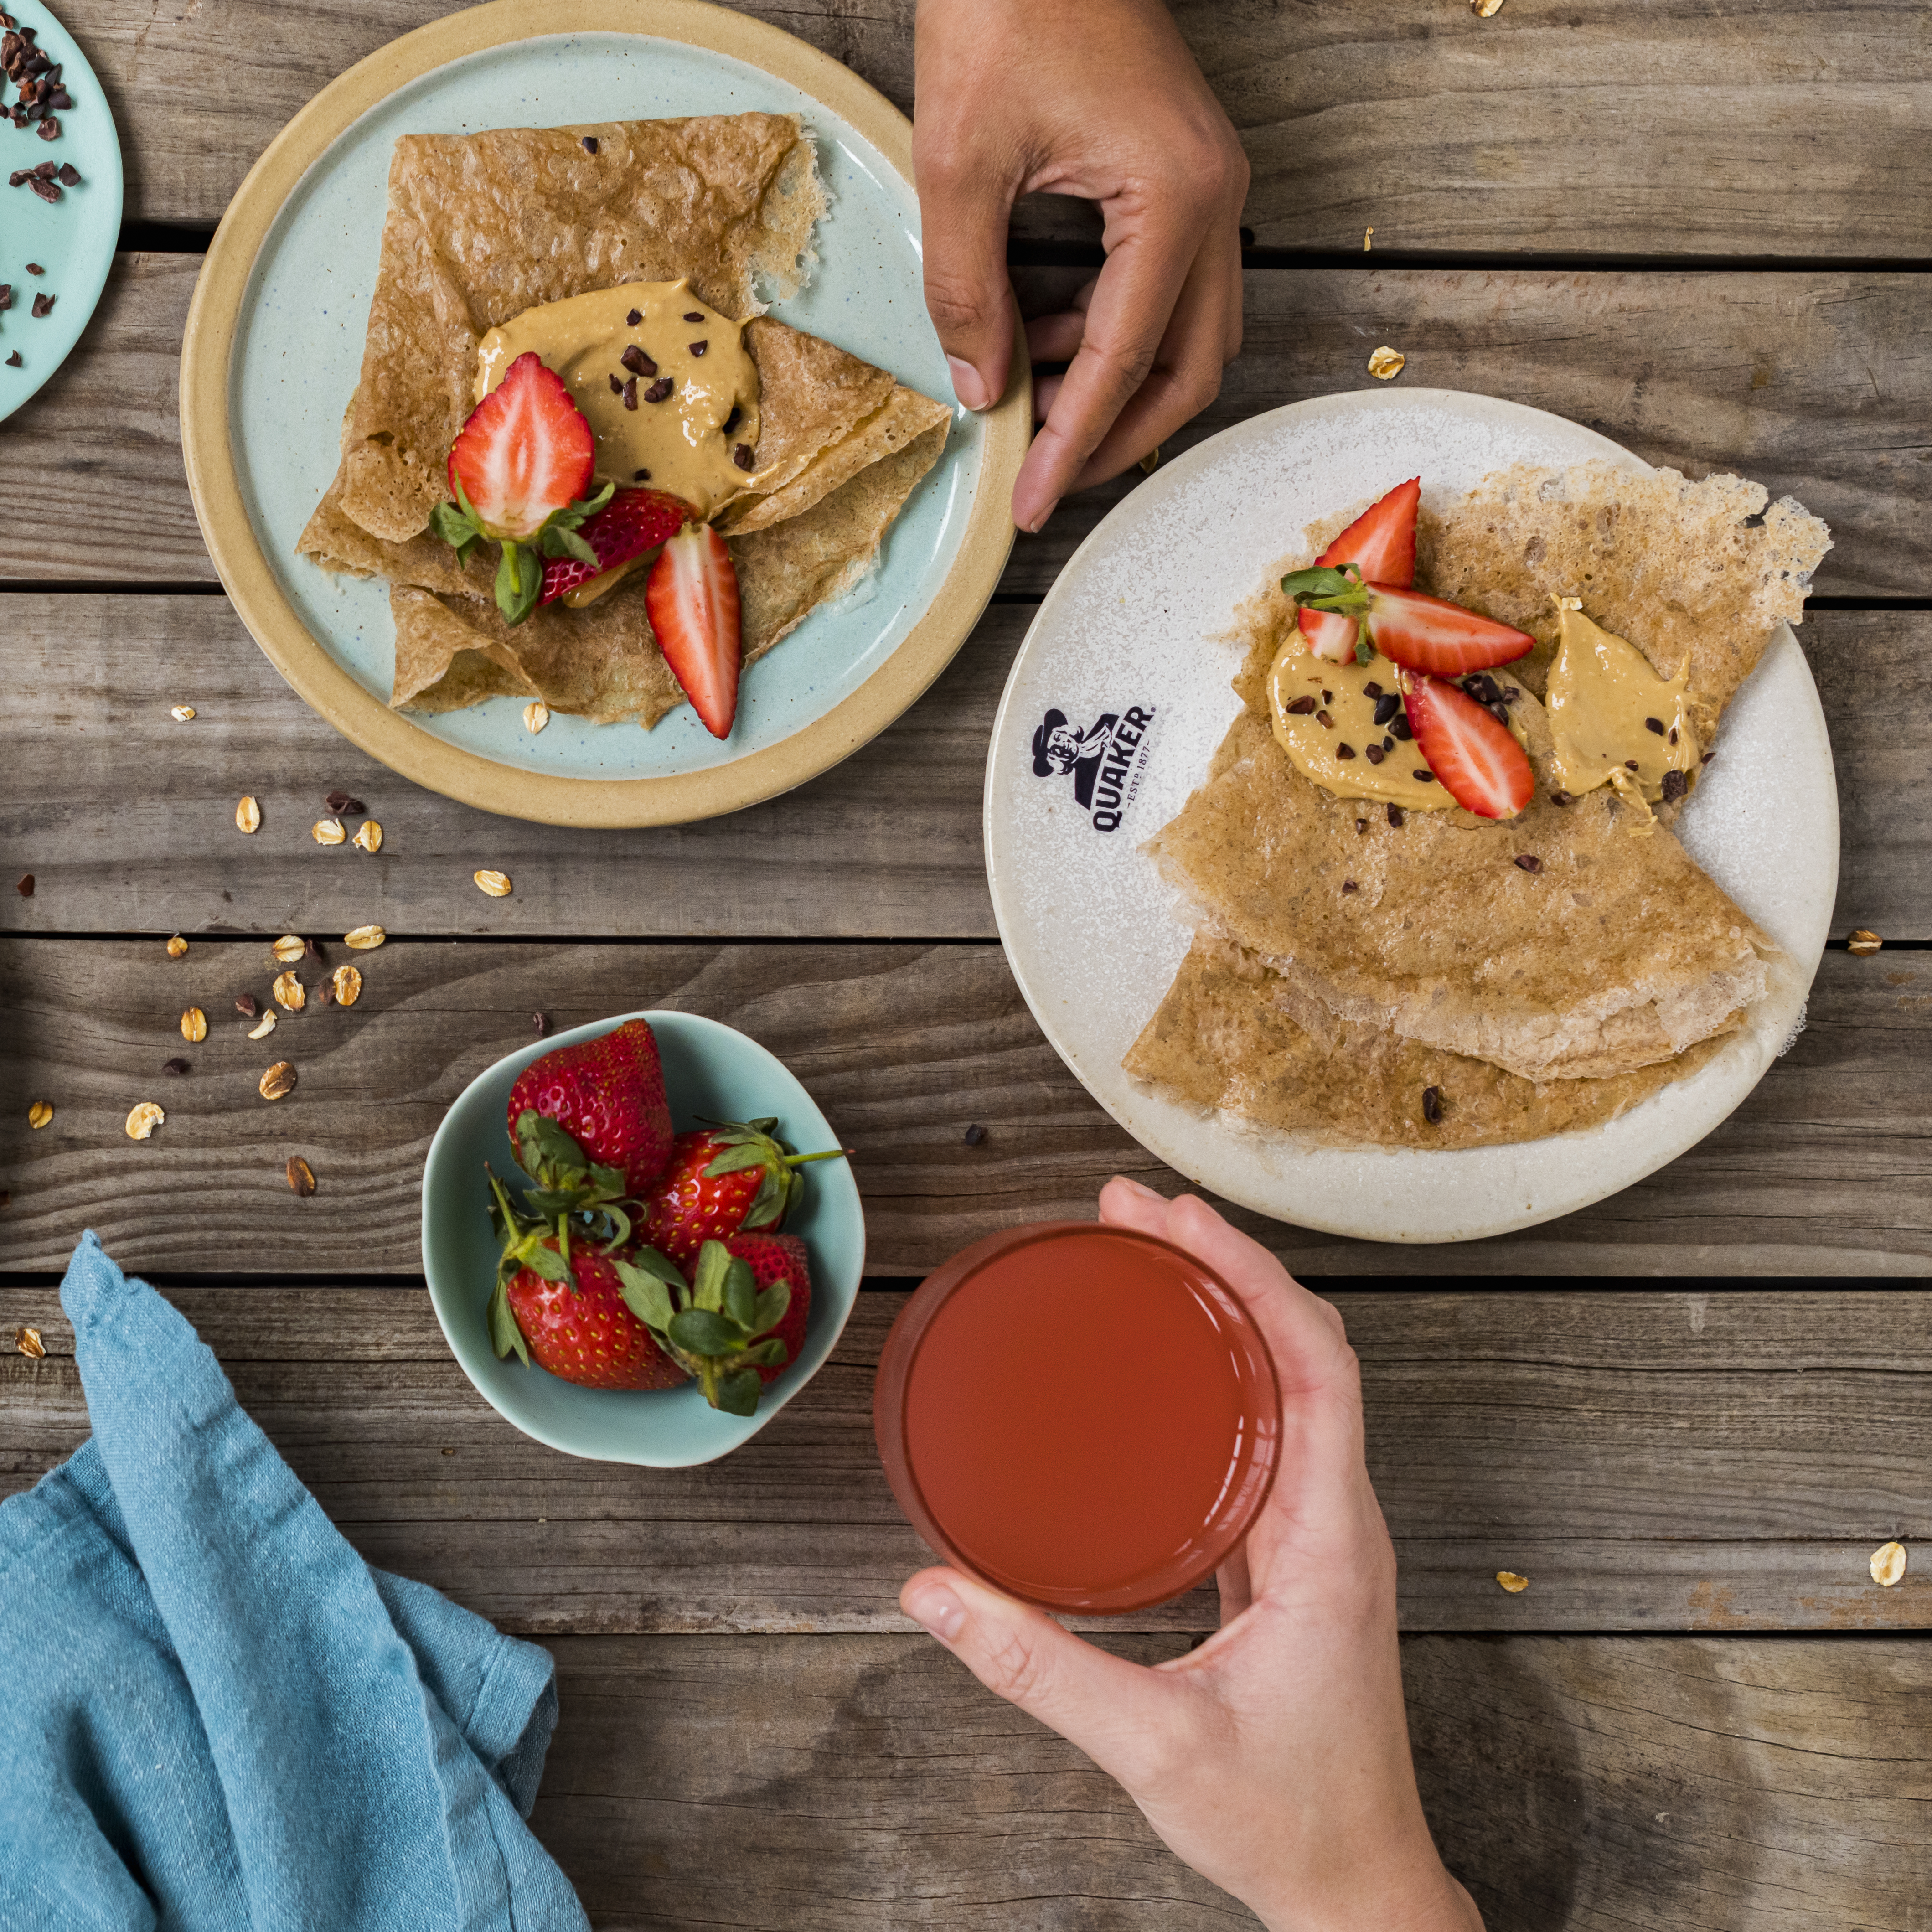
[712,1073]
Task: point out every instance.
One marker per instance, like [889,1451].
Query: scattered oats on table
[369,835]
[1484,9]
[39,1114]
[266,1027]
[144,1119]
[279,1080]
[1865,942]
[302,1176]
[363,938]
[1387,363]
[348,985]
[248,816]
[1512,1582]
[496,884]
[182,713]
[28,1341]
[328,832]
[194,1026]
[289,949]
[177,947]
[290,994]
[1888,1564]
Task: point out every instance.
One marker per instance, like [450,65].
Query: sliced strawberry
[632,523]
[1475,759]
[1381,543]
[692,598]
[525,453]
[1427,633]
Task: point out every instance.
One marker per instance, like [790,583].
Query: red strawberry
[739,1322]
[1421,633]
[525,453]
[582,1330]
[608,1096]
[720,1179]
[1381,543]
[632,523]
[1475,758]
[692,598]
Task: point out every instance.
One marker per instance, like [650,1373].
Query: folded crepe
[480,227]
[1535,1001]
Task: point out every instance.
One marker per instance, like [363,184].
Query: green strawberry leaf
[741,1295]
[769,1125]
[1322,589]
[665,1269]
[714,1261]
[1365,652]
[735,1159]
[560,540]
[504,1335]
[700,1331]
[606,1180]
[519,582]
[771,1308]
[646,1296]
[770,1353]
[738,1394]
[544,1144]
[547,1262]
[617,1227]
[769,1203]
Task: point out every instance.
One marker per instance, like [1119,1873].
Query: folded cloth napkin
[215,1715]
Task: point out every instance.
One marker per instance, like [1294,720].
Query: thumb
[963,210]
[1116,1712]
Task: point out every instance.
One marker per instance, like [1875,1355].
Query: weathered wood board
[1575,1784]
[1722,1462]
[126,818]
[1822,1171]
[1663,128]
[1819,385]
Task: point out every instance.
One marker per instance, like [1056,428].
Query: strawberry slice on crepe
[1476,760]
[518,469]
[1417,631]
[1381,543]
[633,522]
[692,598]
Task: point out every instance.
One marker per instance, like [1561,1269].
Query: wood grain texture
[1720,1462]
[1575,1784]
[1823,1170]
[1818,385]
[126,818]
[1651,127]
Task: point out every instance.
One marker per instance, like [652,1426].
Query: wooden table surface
[1688,1414]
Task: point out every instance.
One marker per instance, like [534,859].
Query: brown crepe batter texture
[1534,1002]
[482,226]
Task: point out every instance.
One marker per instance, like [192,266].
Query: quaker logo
[1106,760]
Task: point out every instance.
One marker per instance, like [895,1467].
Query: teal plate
[711,1073]
[297,351]
[73,239]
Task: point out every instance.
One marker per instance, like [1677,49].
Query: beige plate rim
[364,719]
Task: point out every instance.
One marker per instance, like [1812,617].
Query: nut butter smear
[1335,741]
[1614,721]
[687,356]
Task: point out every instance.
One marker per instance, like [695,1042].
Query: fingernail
[967,384]
[936,1610]
[1039,523]
[1145,1193]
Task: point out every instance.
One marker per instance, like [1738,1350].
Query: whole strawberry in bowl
[536,1198]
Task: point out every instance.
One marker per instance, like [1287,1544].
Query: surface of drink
[1083,1416]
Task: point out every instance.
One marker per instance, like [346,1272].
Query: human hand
[1100,99]
[1274,1758]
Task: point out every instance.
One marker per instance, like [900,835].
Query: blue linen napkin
[214,1716]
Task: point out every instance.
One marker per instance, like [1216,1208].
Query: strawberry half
[1381,543]
[692,597]
[632,523]
[1476,760]
[517,469]
[1419,632]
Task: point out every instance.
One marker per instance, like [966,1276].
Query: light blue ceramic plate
[298,352]
[711,1072]
[73,239]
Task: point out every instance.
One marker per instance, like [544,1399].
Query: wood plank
[126,818]
[1656,127]
[1822,1171]
[1818,385]
[1719,1462]
[1574,1784]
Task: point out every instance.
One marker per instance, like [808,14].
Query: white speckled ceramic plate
[73,239]
[274,348]
[1094,936]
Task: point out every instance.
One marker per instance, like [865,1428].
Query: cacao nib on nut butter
[1301,707]
[658,390]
